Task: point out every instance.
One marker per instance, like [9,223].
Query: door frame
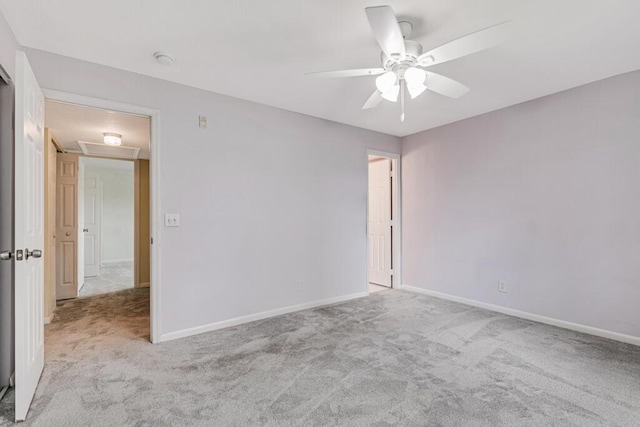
[396,214]
[50,274]
[154,186]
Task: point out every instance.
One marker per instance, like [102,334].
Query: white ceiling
[71,123]
[260,50]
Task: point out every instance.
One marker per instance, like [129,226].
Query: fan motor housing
[412,49]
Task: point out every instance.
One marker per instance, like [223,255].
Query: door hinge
[392,223]
[391,272]
[152,240]
[392,174]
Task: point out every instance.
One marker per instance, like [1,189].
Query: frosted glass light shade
[112,138]
[392,93]
[415,78]
[416,90]
[386,81]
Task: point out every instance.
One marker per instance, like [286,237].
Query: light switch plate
[172,220]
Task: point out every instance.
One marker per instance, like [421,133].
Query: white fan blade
[373,101]
[386,29]
[472,43]
[445,86]
[356,72]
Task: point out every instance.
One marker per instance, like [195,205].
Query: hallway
[113,277]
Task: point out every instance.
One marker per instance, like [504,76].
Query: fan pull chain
[402,87]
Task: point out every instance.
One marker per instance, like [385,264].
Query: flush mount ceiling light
[403,62]
[111,138]
[163,58]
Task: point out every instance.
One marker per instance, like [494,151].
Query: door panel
[68,258]
[67,227]
[29,235]
[91,227]
[379,222]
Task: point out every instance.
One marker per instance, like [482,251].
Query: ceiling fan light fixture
[415,76]
[392,93]
[415,91]
[386,81]
[111,138]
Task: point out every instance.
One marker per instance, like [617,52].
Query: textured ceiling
[260,50]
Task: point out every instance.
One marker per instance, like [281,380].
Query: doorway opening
[107,219]
[383,224]
[7,337]
[98,196]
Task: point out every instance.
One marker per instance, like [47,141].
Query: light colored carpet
[377,288]
[113,277]
[392,358]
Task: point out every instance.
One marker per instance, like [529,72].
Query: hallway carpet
[113,277]
[392,358]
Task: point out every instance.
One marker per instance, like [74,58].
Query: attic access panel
[96,149]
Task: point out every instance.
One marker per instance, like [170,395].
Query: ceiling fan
[404,63]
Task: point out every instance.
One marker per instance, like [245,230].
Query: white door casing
[379,222]
[29,235]
[67,226]
[50,226]
[80,213]
[91,227]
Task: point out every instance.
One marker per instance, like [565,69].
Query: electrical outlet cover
[502,286]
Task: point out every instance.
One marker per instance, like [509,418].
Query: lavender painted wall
[267,198]
[544,195]
[8,46]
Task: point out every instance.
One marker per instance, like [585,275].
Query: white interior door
[380,222]
[29,236]
[67,226]
[91,228]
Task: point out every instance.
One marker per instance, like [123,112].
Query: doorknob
[67,234]
[5,255]
[36,253]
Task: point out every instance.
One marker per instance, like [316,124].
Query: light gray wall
[116,177]
[544,195]
[267,198]
[8,47]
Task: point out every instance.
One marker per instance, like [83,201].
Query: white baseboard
[629,339]
[49,319]
[114,261]
[257,316]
